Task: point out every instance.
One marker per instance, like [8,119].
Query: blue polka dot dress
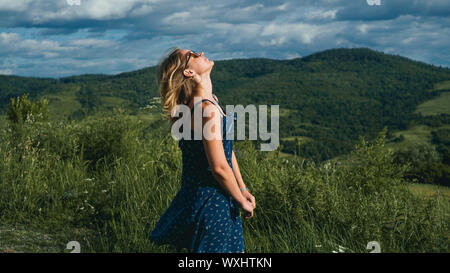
[202,217]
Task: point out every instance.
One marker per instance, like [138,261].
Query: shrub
[23,110]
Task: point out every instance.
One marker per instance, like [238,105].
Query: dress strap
[214,97]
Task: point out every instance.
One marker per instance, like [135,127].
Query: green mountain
[327,99]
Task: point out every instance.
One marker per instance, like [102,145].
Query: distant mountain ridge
[328,98]
[335,60]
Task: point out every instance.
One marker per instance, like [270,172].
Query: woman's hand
[249,204]
[248,208]
[249,197]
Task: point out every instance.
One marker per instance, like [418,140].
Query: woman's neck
[204,88]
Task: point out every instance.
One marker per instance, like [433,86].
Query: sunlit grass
[110,194]
[435,106]
[62,104]
[413,136]
[429,190]
[442,85]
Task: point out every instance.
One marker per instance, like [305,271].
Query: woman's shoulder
[202,103]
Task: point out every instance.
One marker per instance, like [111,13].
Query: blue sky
[58,38]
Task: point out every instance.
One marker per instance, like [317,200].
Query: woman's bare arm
[215,153]
[240,181]
[237,172]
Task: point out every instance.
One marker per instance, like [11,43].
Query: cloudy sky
[57,38]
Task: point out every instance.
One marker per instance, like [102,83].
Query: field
[436,106]
[62,104]
[110,195]
[426,190]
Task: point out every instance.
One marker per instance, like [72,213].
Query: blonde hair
[175,88]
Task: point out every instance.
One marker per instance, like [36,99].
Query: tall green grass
[113,177]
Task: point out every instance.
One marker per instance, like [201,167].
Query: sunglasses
[189,57]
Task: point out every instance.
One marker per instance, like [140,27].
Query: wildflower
[341,249]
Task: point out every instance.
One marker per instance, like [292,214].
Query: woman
[204,215]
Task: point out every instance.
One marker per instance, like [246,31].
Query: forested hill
[326,99]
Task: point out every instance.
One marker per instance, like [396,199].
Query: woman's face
[197,64]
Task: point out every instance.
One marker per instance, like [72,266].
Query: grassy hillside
[105,181]
[437,105]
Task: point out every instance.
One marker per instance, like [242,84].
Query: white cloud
[142,10]
[47,11]
[407,40]
[282,7]
[8,38]
[14,5]
[280,33]
[179,17]
[91,43]
[363,28]
[292,56]
[12,44]
[321,14]
[6,72]
[107,9]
